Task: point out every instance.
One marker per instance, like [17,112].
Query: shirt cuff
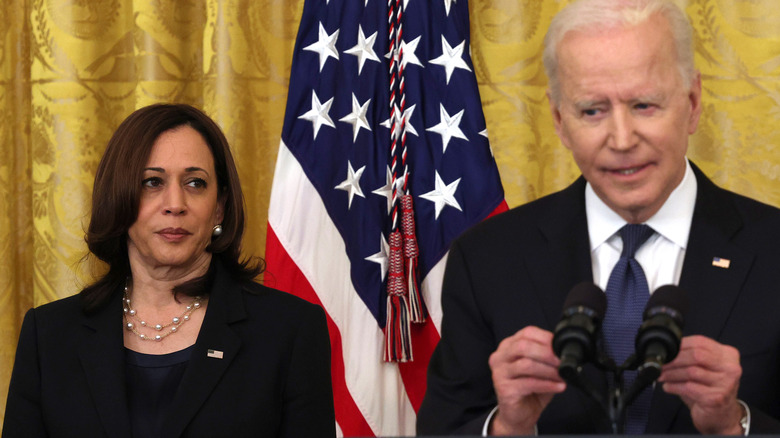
[490,417]
[746,424]
[492,413]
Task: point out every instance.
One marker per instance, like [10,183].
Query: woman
[175,339]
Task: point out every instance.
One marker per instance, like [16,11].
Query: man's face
[625,114]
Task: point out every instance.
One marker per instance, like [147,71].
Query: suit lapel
[562,262]
[564,259]
[103,361]
[712,291]
[205,370]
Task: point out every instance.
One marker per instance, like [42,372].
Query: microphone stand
[617,400]
[573,377]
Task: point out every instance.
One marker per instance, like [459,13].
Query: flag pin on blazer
[720,262]
[215,354]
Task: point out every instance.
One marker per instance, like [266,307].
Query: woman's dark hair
[117,193]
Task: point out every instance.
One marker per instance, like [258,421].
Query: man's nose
[623,131]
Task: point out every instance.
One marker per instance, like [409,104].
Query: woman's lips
[173,234]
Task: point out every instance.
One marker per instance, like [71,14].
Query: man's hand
[705,374]
[525,378]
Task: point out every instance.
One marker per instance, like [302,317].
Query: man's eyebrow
[653,97]
[585,104]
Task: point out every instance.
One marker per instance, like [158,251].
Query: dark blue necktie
[627,295]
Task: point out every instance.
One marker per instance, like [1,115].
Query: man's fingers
[531,342]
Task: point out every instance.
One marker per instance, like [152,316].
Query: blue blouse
[152,381]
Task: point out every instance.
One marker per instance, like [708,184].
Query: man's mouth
[629,170]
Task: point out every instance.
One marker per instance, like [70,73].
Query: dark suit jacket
[274,378]
[516,270]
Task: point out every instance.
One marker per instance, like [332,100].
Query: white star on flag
[451,58]
[448,5]
[387,190]
[325,46]
[381,257]
[318,114]
[357,118]
[364,49]
[485,134]
[409,55]
[443,194]
[351,185]
[448,127]
[407,117]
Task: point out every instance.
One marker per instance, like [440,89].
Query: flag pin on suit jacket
[720,262]
[215,354]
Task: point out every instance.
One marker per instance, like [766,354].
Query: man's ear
[694,97]
[556,113]
[556,116]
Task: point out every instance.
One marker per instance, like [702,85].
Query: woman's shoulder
[256,292]
[265,303]
[59,317]
[67,306]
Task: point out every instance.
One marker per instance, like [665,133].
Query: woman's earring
[217,230]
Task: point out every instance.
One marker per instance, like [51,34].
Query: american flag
[370,81]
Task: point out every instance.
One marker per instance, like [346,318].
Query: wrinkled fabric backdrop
[72,70]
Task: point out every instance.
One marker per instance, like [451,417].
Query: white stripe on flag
[305,230]
[431,287]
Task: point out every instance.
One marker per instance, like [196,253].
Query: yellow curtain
[70,71]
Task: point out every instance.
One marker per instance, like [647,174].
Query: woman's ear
[221,201]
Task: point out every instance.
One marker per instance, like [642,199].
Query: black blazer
[273,380]
[516,269]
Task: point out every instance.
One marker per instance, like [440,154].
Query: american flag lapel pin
[215,354]
[720,262]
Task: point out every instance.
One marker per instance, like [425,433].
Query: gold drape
[70,71]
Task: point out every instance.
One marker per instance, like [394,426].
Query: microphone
[574,340]
[658,338]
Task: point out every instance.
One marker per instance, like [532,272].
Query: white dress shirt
[672,225]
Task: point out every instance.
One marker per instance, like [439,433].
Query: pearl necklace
[130,314]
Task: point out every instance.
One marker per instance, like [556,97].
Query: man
[625,97]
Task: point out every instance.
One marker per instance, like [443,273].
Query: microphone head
[586,295]
[658,339]
[670,300]
[574,339]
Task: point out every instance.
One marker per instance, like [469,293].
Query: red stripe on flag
[287,277]
[414,374]
[502,207]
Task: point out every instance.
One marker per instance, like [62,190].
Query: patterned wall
[71,70]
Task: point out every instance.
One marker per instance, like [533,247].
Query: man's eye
[590,112]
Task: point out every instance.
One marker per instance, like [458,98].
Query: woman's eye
[152,182]
[197,183]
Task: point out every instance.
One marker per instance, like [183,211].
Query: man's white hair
[600,15]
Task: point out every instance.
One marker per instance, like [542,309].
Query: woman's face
[179,204]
